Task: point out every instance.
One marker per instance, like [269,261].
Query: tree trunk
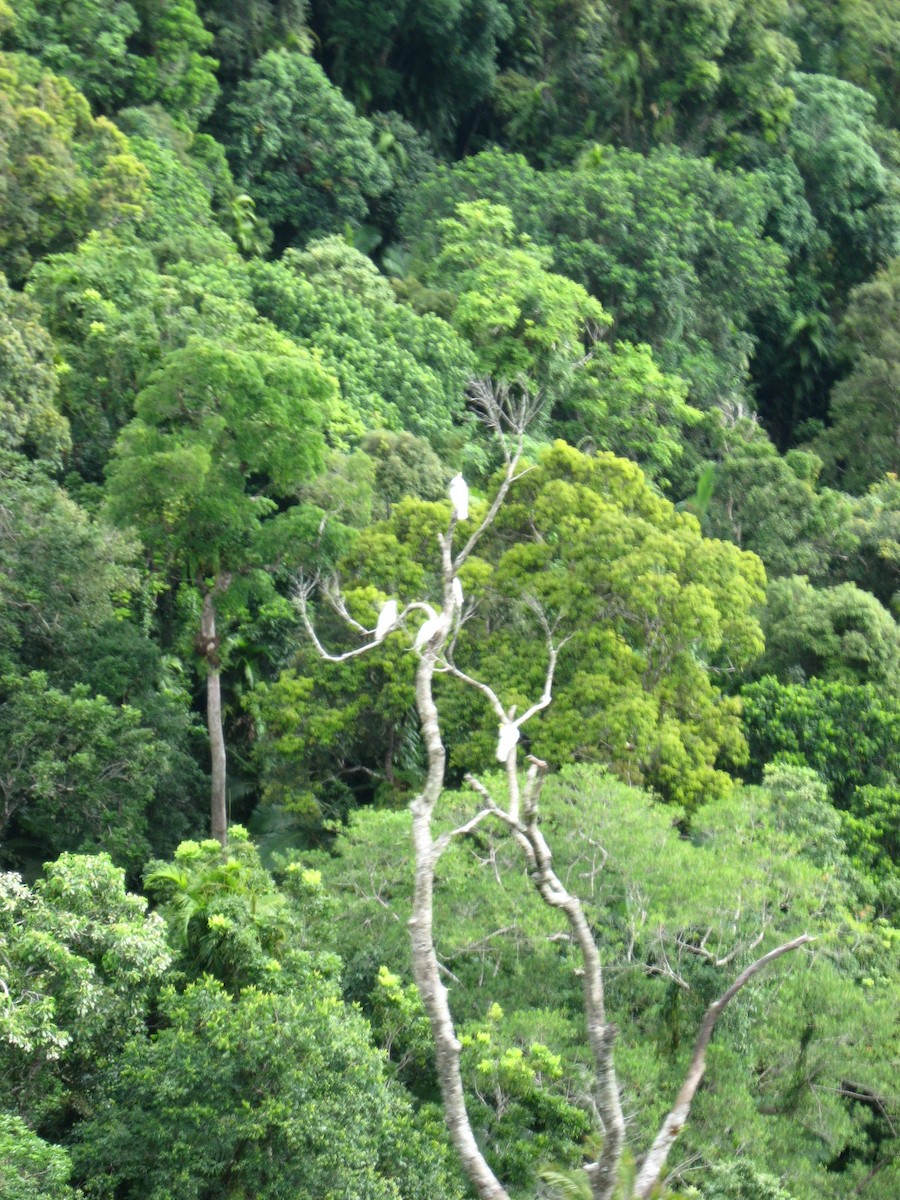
[210,650]
[424,960]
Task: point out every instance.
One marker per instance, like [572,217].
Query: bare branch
[450,668]
[506,418]
[301,595]
[332,594]
[723,961]
[441,843]
[676,1119]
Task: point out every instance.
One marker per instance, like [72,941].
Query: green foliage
[118,53]
[190,189]
[861,445]
[741,1181]
[524,322]
[272,1094]
[30,419]
[664,908]
[224,914]
[82,962]
[397,369]
[552,72]
[852,191]
[650,608]
[300,150]
[64,172]
[526,1104]
[663,217]
[78,772]
[840,633]
[213,444]
[328,738]
[850,735]
[673,248]
[404,466]
[433,62]
[856,40]
[244,33]
[876,525]
[622,402]
[711,76]
[774,506]
[114,315]
[61,573]
[30,1168]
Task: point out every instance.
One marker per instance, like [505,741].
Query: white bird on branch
[459,497]
[429,628]
[387,620]
[508,740]
[456,589]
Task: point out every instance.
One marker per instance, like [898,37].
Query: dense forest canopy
[449,477]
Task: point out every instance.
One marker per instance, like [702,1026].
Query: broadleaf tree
[223,439]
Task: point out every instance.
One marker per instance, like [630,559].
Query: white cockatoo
[456,589]
[387,620]
[509,738]
[429,627]
[459,497]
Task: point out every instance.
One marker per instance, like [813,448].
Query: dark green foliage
[276,1094]
[80,773]
[773,505]
[857,40]
[862,444]
[433,62]
[850,735]
[662,219]
[710,75]
[840,633]
[300,150]
[244,32]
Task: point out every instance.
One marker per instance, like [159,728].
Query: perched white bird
[428,629]
[387,620]
[509,738]
[459,497]
[456,589]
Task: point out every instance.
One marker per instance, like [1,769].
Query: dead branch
[603,1173]
[677,1118]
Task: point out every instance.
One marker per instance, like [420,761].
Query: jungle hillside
[449,599]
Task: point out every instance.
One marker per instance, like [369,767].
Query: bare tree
[506,414]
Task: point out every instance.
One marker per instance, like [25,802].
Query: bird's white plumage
[459,497]
[456,589]
[427,630]
[508,740]
[387,619]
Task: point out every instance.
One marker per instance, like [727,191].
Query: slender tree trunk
[424,960]
[210,649]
